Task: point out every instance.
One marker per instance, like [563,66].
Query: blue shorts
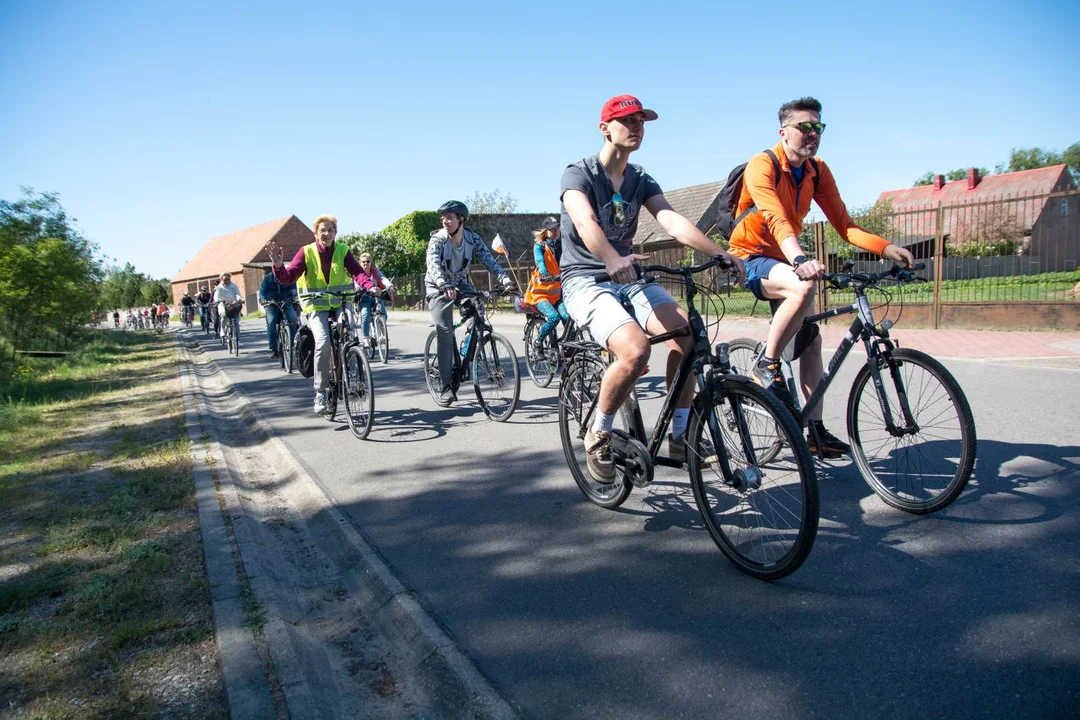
[758,268]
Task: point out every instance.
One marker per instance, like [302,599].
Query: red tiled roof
[228,253]
[955,196]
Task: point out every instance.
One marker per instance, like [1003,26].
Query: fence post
[939,262]
[821,256]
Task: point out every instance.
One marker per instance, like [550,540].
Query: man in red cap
[602,197]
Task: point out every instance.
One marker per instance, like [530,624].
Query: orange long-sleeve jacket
[779,216]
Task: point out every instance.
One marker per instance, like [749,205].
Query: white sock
[603,423]
[678,422]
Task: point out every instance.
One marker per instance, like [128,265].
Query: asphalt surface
[576,611]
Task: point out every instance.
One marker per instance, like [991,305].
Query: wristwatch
[797,262]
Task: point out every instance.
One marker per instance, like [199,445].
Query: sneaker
[677,450]
[273,355]
[598,456]
[831,446]
[447,396]
[768,376]
[320,402]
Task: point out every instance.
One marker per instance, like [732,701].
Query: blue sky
[162,125]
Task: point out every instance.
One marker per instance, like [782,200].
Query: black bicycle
[350,373]
[911,429]
[230,333]
[285,352]
[762,514]
[486,357]
[545,360]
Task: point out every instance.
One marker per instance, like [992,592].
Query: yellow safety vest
[313,282]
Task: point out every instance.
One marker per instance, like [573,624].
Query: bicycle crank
[633,458]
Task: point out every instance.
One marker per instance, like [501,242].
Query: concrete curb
[453,682]
[246,684]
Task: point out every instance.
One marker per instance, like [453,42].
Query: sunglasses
[617,202]
[806,127]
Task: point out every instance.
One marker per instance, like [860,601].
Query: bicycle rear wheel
[920,471]
[359,392]
[431,369]
[578,392]
[495,377]
[382,339]
[763,515]
[539,360]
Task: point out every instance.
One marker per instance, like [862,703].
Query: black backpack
[304,351]
[726,220]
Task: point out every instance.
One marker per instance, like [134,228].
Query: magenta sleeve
[287,274]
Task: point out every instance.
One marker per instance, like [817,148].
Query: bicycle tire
[578,390]
[537,361]
[284,347]
[496,379]
[743,354]
[235,348]
[382,339]
[762,515]
[431,369]
[359,392]
[905,476]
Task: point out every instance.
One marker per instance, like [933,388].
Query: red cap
[623,105]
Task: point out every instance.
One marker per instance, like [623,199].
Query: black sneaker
[767,374]
[831,446]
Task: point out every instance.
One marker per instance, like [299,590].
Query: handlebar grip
[918,266]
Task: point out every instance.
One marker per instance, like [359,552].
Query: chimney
[972,178]
[939,182]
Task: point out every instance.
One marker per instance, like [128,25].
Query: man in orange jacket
[780,186]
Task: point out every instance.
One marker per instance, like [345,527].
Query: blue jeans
[552,313]
[367,302]
[273,317]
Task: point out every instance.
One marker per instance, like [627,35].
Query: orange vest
[541,288]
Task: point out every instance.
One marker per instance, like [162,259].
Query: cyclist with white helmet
[450,250]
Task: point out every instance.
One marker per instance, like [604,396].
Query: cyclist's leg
[442,312]
[290,317]
[551,319]
[319,322]
[365,315]
[273,317]
[658,312]
[796,302]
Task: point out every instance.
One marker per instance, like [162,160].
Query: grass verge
[104,604]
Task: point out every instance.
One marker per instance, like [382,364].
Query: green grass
[104,556]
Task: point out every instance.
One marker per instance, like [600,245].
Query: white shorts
[599,306]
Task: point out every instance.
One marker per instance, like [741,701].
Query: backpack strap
[776,183]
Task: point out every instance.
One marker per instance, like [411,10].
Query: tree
[927,179]
[492,203]
[877,219]
[156,291]
[1072,159]
[1032,158]
[50,276]
[956,174]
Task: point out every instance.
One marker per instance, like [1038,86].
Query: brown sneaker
[598,456]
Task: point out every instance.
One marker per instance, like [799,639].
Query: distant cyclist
[381,287]
[545,283]
[229,300]
[778,186]
[272,292]
[187,307]
[204,300]
[449,252]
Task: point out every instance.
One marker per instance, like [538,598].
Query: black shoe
[831,446]
[767,374]
[447,396]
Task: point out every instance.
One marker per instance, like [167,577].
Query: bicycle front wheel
[359,392]
[538,359]
[382,339]
[284,342]
[431,369]
[578,392]
[495,377]
[761,513]
[919,468]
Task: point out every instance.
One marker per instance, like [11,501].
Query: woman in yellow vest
[320,267]
[545,285]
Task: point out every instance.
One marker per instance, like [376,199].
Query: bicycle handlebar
[718,261]
[897,271]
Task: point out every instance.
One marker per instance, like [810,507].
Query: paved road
[574,611]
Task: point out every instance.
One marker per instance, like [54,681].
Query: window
[1064,207]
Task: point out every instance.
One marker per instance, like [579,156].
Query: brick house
[242,255]
[1038,210]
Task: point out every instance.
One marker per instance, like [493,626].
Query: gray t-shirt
[589,177]
[457,258]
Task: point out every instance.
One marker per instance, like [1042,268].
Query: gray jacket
[439,250]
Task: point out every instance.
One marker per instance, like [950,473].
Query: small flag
[498,246]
